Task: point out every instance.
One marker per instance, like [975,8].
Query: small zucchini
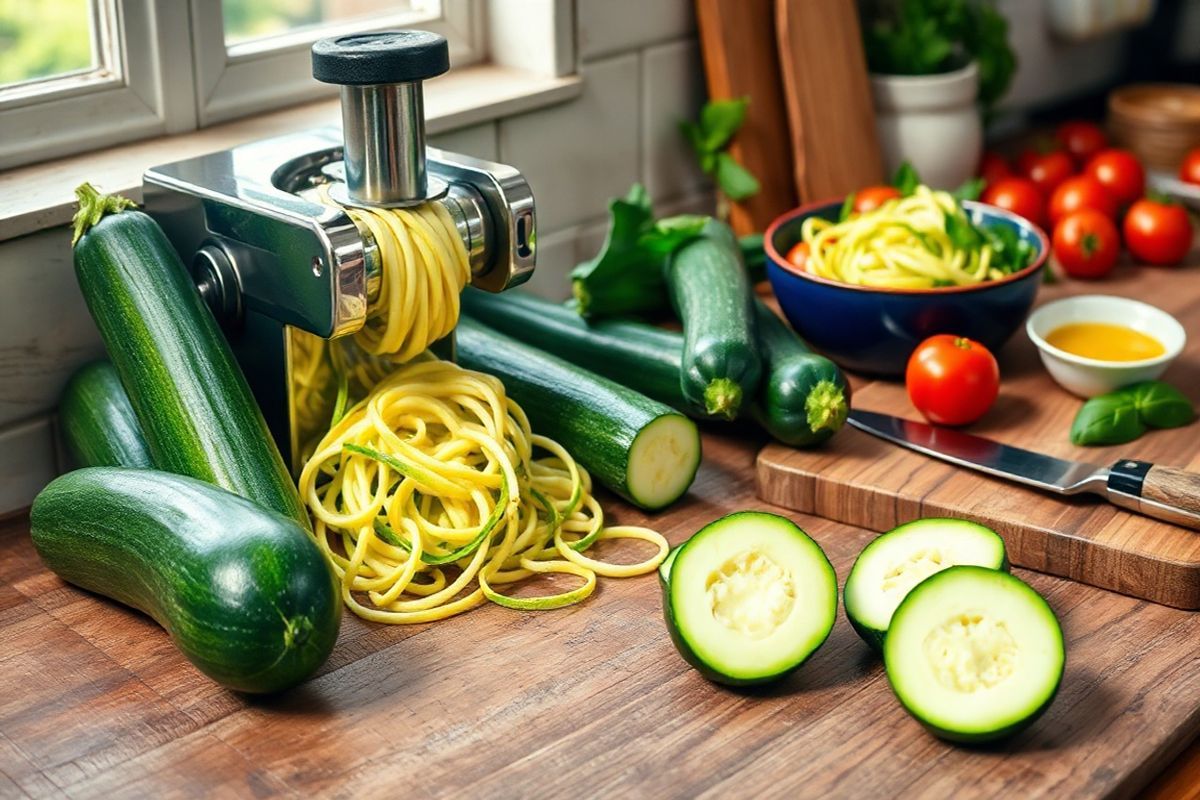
[97,422]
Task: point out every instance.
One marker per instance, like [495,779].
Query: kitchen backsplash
[642,72]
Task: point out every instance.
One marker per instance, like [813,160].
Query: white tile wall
[27,462]
[672,90]
[611,26]
[478,141]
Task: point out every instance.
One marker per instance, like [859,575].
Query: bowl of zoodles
[867,288]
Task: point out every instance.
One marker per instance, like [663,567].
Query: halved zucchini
[749,598]
[890,566]
[974,654]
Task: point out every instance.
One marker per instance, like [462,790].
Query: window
[78,75]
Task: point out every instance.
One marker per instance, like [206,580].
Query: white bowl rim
[1167,356]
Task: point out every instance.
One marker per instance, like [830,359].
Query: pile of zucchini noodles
[903,244]
[432,491]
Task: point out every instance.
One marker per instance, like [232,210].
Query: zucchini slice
[891,565]
[749,598]
[974,654]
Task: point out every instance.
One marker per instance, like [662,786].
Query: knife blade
[1166,493]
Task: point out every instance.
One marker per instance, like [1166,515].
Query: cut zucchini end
[974,654]
[893,563]
[826,407]
[723,398]
[582,297]
[663,461]
[749,598]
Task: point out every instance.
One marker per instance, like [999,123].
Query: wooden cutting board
[865,481]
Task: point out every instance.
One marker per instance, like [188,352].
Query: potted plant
[936,65]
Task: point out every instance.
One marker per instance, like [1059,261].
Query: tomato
[1158,233]
[1086,244]
[1049,170]
[1189,171]
[952,380]
[1020,196]
[1081,191]
[1081,140]
[798,255]
[872,197]
[1120,172]
[994,168]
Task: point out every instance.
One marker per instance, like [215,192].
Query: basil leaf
[670,233]
[906,180]
[962,233]
[1107,419]
[1161,405]
[720,120]
[847,208]
[970,190]
[733,179]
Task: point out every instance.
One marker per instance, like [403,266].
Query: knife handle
[1164,493]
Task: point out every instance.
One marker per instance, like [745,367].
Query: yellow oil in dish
[1105,341]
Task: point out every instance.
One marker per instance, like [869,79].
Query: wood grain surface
[586,701]
[865,481]
[740,60]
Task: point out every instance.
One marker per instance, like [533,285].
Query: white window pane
[42,39]
[249,20]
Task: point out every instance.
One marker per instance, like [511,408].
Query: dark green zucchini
[97,422]
[639,448]
[191,399]
[803,397]
[712,296]
[245,594]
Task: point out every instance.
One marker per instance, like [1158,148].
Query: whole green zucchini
[97,422]
[244,592]
[712,296]
[639,448]
[191,399]
[803,398]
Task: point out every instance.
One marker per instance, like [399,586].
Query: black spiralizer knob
[383,114]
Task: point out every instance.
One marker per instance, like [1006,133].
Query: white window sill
[42,195]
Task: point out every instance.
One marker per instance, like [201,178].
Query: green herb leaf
[971,190]
[669,233]
[1161,405]
[1107,419]
[906,179]
[847,207]
[734,180]
[720,120]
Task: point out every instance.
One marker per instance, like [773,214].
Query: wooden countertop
[589,700]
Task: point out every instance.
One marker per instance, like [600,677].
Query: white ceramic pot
[931,121]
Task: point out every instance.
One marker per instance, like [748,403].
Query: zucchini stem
[826,407]
[94,207]
[723,398]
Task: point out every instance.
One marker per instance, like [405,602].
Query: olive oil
[1105,341]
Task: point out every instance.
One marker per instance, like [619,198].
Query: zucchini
[749,598]
[974,654]
[713,298]
[639,448]
[244,592]
[892,564]
[97,422]
[191,399]
[803,398]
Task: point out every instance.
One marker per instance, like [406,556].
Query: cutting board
[865,481]
[740,60]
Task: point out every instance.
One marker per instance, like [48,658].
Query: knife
[1165,493]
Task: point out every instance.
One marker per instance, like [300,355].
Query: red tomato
[1020,196]
[994,168]
[1081,191]
[1049,170]
[1120,172]
[1081,140]
[1158,233]
[872,197]
[952,380]
[1086,244]
[1189,171]
[798,255]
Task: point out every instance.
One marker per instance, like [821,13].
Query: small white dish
[1088,377]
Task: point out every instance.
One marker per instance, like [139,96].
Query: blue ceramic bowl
[873,330]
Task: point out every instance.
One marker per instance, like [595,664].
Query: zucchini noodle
[427,496]
[904,244]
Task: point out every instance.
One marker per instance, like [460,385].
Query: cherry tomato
[952,380]
[1049,170]
[1081,191]
[1020,196]
[1158,233]
[798,255]
[1120,172]
[1081,140]
[1086,244]
[872,197]
[1189,171]
[994,168]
